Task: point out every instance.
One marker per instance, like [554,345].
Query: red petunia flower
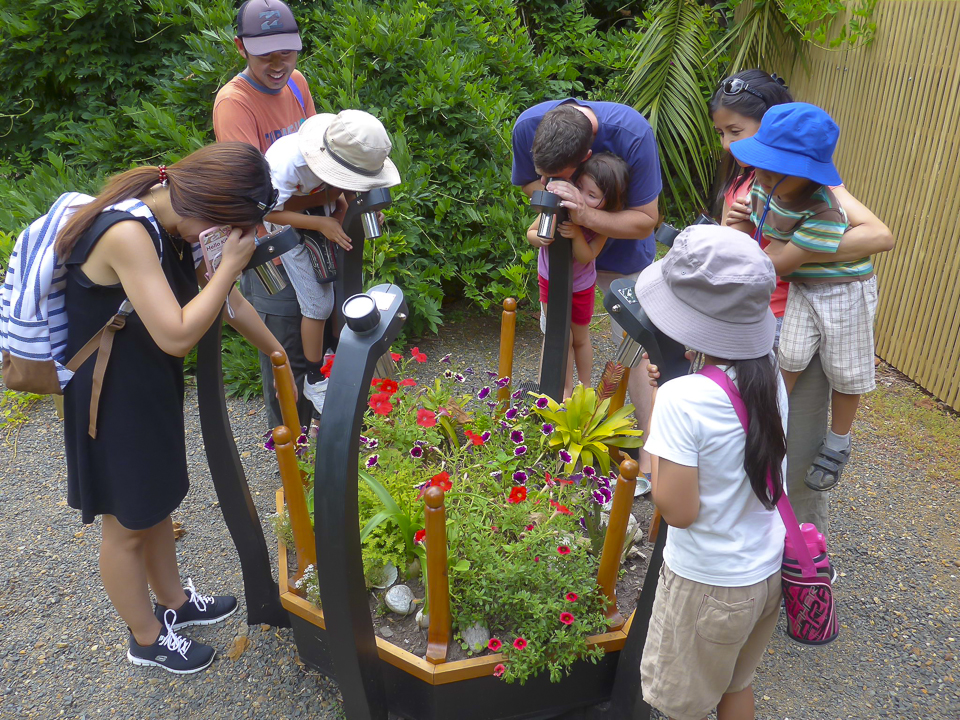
[375,382]
[519,643]
[327,366]
[442,481]
[499,670]
[426,418]
[380,403]
[396,357]
[563,549]
[572,597]
[562,509]
[474,438]
[409,382]
[566,618]
[494,644]
[389,386]
[548,479]
[417,355]
[530,527]
[537,559]
[518,494]
[419,536]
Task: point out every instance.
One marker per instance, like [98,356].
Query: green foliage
[670,85]
[7,241]
[13,413]
[582,428]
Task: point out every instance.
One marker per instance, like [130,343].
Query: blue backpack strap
[297,94]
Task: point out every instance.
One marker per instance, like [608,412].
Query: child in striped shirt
[831,305]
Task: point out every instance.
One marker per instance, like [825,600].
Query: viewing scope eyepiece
[551,211]
[369,203]
[270,247]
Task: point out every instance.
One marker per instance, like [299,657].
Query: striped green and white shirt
[815,223]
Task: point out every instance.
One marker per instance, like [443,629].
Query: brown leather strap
[103,356]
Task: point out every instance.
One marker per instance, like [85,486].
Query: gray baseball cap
[711,292]
[267,26]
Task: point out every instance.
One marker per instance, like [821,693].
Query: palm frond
[674,69]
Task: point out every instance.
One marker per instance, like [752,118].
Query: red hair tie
[163,174]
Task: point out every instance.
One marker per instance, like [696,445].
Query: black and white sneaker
[199,609]
[171,652]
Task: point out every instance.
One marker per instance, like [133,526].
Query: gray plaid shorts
[316,299]
[836,320]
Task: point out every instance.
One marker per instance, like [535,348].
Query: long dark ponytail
[758,383]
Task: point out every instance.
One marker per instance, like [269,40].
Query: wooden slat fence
[898,107]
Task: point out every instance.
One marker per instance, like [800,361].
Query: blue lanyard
[763,218]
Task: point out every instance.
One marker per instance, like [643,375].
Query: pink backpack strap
[783,505]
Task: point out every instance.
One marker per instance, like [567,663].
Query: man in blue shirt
[552,140]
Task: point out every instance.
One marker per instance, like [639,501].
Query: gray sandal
[825,471]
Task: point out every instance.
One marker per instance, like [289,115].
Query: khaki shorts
[836,320]
[704,642]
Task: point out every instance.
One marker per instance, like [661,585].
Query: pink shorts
[581,311]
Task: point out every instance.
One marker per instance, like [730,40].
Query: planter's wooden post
[283,380]
[508,333]
[613,540]
[303,539]
[438,583]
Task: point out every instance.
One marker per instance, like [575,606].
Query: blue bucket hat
[796,139]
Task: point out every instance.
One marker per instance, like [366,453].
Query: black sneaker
[199,609]
[171,652]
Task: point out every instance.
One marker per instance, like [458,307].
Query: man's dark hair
[562,139]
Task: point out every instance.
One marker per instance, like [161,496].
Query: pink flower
[409,382]
[494,644]
[417,355]
[566,618]
[419,536]
[563,549]
[426,418]
[519,643]
[395,356]
[499,670]
[572,597]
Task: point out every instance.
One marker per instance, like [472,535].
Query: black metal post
[239,512]
[352,642]
[556,340]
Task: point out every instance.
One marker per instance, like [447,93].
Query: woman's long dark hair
[774,92]
[222,183]
[758,382]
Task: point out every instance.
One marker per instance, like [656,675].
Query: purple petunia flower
[589,471]
[491,405]
[566,457]
[546,429]
[583,523]
[520,476]
[503,382]
[602,482]
[372,461]
[517,436]
[491,375]
[484,391]
[445,358]
[364,440]
[420,442]
[504,424]
[542,402]
[268,443]
[602,497]
[468,371]
[516,394]
[497,474]
[373,443]
[448,373]
[520,450]
[459,378]
[576,477]
[511,413]
[485,436]
[416,451]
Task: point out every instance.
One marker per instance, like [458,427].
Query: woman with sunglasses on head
[736,108]
[124,428]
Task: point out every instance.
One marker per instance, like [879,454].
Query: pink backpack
[805,573]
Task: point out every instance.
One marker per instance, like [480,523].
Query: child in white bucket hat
[718,596]
[329,154]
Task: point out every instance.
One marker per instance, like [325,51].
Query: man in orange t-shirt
[266,101]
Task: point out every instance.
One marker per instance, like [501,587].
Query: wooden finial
[278,359]
[282,435]
[510,305]
[433,497]
[629,469]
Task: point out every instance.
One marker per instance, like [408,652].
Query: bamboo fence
[897,103]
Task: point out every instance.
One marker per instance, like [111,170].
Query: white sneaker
[316,393]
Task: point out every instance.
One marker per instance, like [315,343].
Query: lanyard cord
[763,218]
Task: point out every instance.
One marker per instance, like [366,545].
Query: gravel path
[62,647]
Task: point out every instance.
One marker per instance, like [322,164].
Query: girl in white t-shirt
[718,596]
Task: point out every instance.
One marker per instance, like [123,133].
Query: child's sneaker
[199,609]
[316,393]
[171,652]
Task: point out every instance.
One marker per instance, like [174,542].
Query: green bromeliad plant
[521,562]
